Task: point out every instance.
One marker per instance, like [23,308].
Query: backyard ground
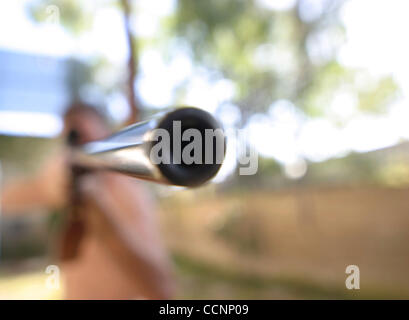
[275,245]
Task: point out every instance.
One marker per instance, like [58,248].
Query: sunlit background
[321,87]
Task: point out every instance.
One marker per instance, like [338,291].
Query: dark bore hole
[185,174]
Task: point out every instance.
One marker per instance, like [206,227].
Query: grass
[251,286]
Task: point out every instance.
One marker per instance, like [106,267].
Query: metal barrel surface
[130,150]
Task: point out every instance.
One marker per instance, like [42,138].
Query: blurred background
[322,88]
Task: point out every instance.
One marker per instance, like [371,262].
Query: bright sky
[376,33]
[376,40]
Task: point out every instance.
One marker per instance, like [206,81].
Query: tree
[274,55]
[77,18]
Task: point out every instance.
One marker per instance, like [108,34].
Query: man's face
[84,126]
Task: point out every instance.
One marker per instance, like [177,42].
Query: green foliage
[24,154]
[319,93]
[379,96]
[395,174]
[354,168]
[71,14]
[266,54]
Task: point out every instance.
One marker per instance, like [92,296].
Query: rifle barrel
[129,150]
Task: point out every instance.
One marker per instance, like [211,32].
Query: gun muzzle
[130,151]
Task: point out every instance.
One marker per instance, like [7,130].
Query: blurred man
[110,247]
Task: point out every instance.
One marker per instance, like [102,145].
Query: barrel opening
[185,174]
